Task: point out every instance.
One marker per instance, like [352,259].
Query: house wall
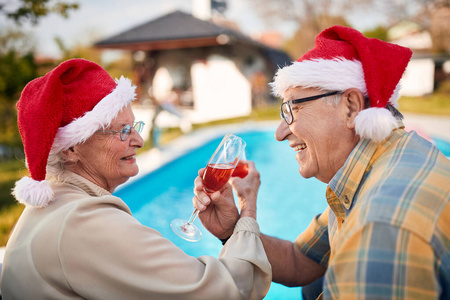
[220,90]
[209,84]
[418,79]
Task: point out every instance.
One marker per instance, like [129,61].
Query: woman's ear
[354,103]
[70,155]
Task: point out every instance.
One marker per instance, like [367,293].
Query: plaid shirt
[386,231]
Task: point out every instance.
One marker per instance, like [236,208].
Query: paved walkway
[433,126]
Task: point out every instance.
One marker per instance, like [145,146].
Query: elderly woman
[75,239]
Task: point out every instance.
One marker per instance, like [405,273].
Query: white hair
[56,165]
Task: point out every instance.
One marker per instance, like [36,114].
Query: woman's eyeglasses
[126,130]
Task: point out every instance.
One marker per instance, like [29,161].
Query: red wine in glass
[241,170]
[218,172]
[215,176]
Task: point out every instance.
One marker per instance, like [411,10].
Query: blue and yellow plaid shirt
[386,231]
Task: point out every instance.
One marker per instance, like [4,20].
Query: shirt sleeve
[380,261]
[314,242]
[107,254]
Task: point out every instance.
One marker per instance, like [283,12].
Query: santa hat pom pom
[375,123]
[32,192]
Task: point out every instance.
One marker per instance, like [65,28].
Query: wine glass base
[187,231]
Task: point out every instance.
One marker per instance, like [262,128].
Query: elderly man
[385,233]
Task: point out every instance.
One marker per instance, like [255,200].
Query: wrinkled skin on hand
[218,211]
[246,190]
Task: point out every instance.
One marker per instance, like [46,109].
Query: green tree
[304,37]
[17,61]
[379,32]
[17,68]
[312,16]
[33,10]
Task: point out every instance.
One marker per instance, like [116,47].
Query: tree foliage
[312,16]
[17,61]
[431,15]
[379,32]
[418,11]
[304,37]
[33,10]
[17,69]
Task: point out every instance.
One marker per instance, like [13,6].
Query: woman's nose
[136,139]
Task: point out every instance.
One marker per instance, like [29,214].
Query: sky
[99,19]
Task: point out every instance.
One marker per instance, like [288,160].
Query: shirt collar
[343,186]
[81,182]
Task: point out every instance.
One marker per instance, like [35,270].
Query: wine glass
[241,169]
[218,171]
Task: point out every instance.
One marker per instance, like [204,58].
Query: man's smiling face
[319,134]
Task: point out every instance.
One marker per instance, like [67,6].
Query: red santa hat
[59,110]
[343,58]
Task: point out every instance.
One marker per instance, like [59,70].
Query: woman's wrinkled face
[104,158]
[318,135]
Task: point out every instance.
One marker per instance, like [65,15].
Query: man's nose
[282,131]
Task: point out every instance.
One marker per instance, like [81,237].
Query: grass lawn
[11,171]
[10,209]
[437,104]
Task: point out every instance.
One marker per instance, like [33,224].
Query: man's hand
[246,190]
[218,212]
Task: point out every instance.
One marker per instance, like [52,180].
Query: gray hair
[334,100]
[56,164]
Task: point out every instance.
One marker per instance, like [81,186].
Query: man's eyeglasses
[286,107]
[126,130]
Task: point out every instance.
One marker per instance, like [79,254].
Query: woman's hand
[218,212]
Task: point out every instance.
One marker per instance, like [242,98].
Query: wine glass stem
[193,216]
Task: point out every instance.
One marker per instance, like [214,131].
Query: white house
[425,70]
[189,70]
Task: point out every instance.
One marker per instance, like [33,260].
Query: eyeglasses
[126,130]
[286,107]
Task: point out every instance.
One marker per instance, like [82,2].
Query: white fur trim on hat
[338,74]
[38,193]
[395,95]
[32,192]
[375,123]
[100,116]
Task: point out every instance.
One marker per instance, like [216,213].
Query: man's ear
[354,103]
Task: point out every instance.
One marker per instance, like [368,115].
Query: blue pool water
[442,145]
[286,201]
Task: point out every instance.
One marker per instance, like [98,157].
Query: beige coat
[87,245]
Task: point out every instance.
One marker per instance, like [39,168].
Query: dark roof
[174,26]
[278,58]
[181,30]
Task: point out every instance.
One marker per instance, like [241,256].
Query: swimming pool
[286,201]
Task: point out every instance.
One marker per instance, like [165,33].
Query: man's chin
[304,173]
